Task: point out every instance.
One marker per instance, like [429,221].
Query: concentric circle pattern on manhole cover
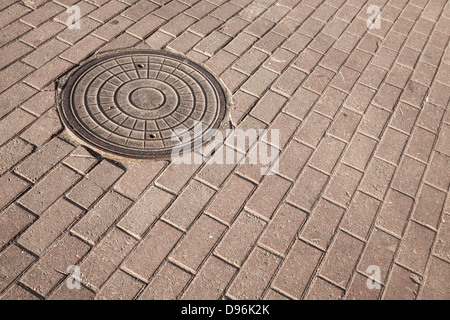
[131,103]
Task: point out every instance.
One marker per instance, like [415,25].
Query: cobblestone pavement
[362,188]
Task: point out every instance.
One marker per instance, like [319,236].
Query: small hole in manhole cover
[134,104]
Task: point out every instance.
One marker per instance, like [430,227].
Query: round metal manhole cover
[132,103]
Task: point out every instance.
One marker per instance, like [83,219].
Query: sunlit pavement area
[358,208]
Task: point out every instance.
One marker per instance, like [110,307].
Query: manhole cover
[131,103]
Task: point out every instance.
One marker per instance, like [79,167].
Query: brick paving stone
[112,28]
[138,177]
[358,289]
[167,284]
[254,276]
[322,223]
[207,24]
[97,220]
[212,43]
[409,175]
[184,42]
[12,153]
[109,253]
[13,52]
[379,251]
[43,129]
[13,97]
[441,248]
[268,106]
[45,53]
[178,24]
[259,81]
[37,17]
[300,103]
[293,159]
[289,81]
[13,262]
[414,94]
[200,9]
[341,259]
[430,117]
[374,121]
[108,10]
[283,228]
[239,240]
[211,281]
[175,176]
[436,283]
[12,221]
[343,185]
[95,183]
[38,103]
[298,269]
[145,211]
[429,206]
[345,124]
[48,73]
[12,32]
[415,247]
[235,188]
[46,157]
[233,79]
[404,117]
[188,205]
[49,226]
[274,295]
[327,154]
[360,215]
[318,80]
[402,285]
[152,250]
[377,177]
[307,60]
[50,269]
[421,144]
[139,10]
[11,187]
[267,196]
[49,189]
[195,247]
[345,79]
[71,36]
[391,146]
[307,189]
[271,41]
[296,43]
[323,290]
[13,74]
[80,160]
[359,151]
[360,98]
[12,13]
[64,293]
[250,61]
[17,292]
[313,129]
[13,124]
[438,173]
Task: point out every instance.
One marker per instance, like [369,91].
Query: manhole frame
[68,80]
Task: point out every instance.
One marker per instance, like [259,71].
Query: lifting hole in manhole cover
[131,104]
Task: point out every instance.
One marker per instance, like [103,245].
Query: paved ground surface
[364,170]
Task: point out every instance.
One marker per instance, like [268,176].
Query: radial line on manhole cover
[131,103]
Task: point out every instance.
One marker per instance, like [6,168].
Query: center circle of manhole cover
[132,103]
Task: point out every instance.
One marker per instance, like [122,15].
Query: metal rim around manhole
[130,103]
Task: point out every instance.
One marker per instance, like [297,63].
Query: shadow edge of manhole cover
[88,139]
